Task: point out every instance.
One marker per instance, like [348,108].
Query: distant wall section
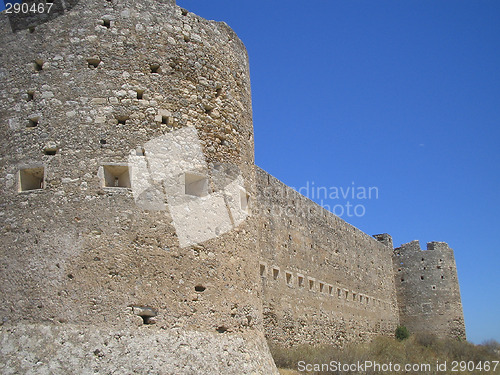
[323,280]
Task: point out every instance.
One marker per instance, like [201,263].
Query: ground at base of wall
[284,371]
[71,349]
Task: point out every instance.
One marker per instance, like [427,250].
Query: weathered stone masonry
[91,281]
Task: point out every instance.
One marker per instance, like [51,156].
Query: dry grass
[418,349]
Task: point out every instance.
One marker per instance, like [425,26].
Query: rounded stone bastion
[127,176]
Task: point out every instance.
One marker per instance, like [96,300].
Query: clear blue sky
[399,95]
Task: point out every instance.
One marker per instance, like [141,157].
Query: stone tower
[427,288]
[90,279]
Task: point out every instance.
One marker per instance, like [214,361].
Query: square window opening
[31,179]
[195,185]
[288,277]
[116,176]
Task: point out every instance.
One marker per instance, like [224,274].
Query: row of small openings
[422,277]
[34,121]
[323,287]
[423,268]
[118,176]
[94,61]
[34,178]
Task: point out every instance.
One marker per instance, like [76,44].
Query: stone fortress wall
[323,280]
[91,280]
[85,271]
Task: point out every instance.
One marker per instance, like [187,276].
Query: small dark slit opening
[38,65]
[199,288]
[184,12]
[122,119]
[106,23]
[218,93]
[140,94]
[155,68]
[50,151]
[93,62]
[221,329]
[102,141]
[31,95]
[146,319]
[32,122]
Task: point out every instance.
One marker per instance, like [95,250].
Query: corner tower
[89,278]
[427,289]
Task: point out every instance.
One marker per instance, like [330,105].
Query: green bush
[402,333]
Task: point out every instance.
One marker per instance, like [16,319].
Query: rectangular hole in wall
[321,287]
[50,150]
[196,185]
[140,94]
[300,280]
[122,119]
[262,270]
[288,276]
[155,68]
[346,292]
[354,296]
[330,290]
[367,300]
[93,62]
[116,176]
[33,122]
[38,65]
[276,273]
[31,179]
[31,95]
[106,23]
[339,292]
[311,284]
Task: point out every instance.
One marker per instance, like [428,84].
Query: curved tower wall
[427,288]
[80,259]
